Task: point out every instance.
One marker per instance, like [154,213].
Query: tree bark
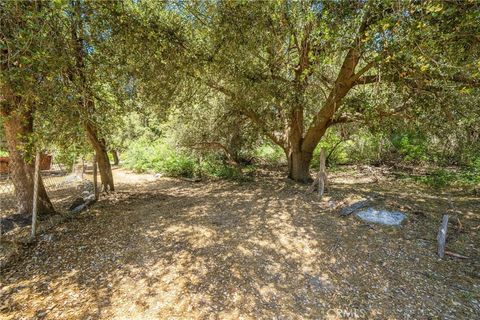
[297,142]
[116,159]
[299,166]
[306,143]
[18,127]
[104,166]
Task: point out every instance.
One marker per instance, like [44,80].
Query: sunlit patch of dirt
[162,248]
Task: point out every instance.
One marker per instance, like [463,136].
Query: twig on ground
[456,255]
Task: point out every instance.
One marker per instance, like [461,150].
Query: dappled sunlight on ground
[167,248]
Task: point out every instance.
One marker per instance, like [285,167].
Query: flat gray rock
[391,218]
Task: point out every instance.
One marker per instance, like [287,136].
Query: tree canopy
[228,73]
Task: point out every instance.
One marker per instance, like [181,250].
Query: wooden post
[322,176]
[321,181]
[442,236]
[35,194]
[95,186]
[83,168]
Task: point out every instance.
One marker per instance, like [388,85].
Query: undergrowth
[157,156]
[446,177]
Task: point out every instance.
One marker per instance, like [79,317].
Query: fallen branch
[191,179]
[353,207]
[456,255]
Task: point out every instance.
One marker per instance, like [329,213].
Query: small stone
[76,203]
[47,237]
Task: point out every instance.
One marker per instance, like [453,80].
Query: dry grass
[170,249]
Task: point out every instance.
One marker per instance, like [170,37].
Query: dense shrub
[269,153]
[411,148]
[439,178]
[157,156]
[143,155]
[150,153]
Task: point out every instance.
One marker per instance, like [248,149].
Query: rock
[87,185]
[353,207]
[78,208]
[47,237]
[71,178]
[40,314]
[317,284]
[89,198]
[391,218]
[76,203]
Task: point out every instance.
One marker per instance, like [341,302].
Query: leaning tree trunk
[102,157]
[18,127]
[116,160]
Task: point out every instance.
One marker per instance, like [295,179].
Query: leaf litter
[167,248]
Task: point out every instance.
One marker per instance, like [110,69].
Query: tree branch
[366,80]
[213,145]
[280,141]
[362,71]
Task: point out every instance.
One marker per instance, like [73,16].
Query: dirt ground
[163,248]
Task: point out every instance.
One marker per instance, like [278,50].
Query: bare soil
[162,248]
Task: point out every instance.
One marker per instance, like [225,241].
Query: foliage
[208,129]
[68,156]
[226,82]
[144,155]
[155,156]
[446,177]
[269,153]
[412,148]
[304,66]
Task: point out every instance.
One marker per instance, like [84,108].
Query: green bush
[412,148]
[144,155]
[220,170]
[441,178]
[270,153]
[67,156]
[178,165]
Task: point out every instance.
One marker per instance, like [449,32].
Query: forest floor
[162,248]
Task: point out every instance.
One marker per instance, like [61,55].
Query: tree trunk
[299,166]
[104,166]
[18,127]
[116,160]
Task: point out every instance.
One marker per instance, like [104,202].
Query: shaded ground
[62,188]
[166,248]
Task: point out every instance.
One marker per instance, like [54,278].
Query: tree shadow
[168,248]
